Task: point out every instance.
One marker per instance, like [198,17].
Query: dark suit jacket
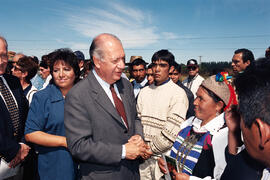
[9,145]
[95,132]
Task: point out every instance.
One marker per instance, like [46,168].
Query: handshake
[136,147]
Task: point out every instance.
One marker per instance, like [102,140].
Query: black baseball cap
[192,62]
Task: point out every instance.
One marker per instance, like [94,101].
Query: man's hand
[20,156]
[136,139]
[144,150]
[147,153]
[133,150]
[24,151]
[232,118]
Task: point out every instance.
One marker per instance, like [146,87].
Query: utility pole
[200,60]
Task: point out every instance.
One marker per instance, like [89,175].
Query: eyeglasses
[162,65]
[235,61]
[192,68]
[3,56]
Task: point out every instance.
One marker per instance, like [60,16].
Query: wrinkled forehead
[113,51]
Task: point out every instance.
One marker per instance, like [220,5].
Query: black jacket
[9,145]
[242,166]
[190,97]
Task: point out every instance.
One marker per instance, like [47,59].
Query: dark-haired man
[81,59]
[253,88]
[241,59]
[194,80]
[44,70]
[138,72]
[175,73]
[150,74]
[162,107]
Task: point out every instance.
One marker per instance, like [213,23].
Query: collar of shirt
[5,82]
[192,78]
[164,82]
[55,93]
[137,86]
[47,81]
[140,85]
[212,126]
[266,174]
[106,87]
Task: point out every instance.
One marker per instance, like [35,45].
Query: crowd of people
[65,118]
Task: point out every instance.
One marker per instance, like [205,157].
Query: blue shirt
[37,81]
[47,114]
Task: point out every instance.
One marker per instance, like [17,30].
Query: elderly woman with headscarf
[200,145]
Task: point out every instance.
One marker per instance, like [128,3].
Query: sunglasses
[16,68]
[192,68]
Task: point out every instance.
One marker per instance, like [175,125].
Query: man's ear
[96,62]
[264,130]
[247,62]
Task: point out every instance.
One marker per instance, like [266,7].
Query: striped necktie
[11,106]
[119,105]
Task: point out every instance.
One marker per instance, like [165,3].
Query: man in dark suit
[13,112]
[102,128]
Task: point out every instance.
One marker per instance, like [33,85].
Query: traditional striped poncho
[188,147]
